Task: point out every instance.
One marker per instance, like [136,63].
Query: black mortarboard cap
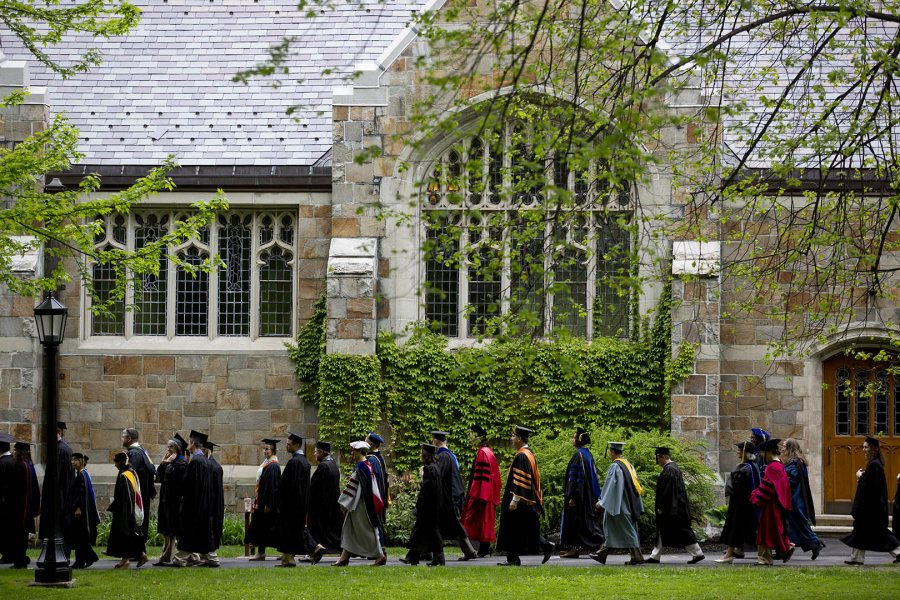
[872,441]
[78,455]
[376,438]
[5,438]
[24,447]
[440,436]
[323,446]
[771,445]
[61,425]
[182,443]
[429,448]
[523,432]
[120,457]
[663,450]
[196,435]
[209,445]
[478,430]
[271,442]
[295,437]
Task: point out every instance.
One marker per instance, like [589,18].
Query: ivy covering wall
[411,389]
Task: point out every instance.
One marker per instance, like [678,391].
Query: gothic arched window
[515,240]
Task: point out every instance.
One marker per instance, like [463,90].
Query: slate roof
[166,87]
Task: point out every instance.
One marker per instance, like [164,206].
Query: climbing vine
[415,387]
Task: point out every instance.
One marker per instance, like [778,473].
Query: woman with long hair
[802,516]
[870,510]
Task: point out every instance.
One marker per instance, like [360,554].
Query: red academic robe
[773,497]
[479,512]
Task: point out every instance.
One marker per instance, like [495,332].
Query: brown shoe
[381,561]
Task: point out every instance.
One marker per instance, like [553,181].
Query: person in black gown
[325,519]
[293,503]
[13,504]
[581,529]
[263,531]
[170,475]
[426,531]
[739,530]
[65,478]
[673,511]
[217,502]
[85,517]
[870,510]
[126,538]
[197,510]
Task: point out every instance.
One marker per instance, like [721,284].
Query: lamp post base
[59,584]
[53,566]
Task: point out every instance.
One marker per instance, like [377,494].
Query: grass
[469,582]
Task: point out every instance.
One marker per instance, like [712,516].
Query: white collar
[135,445]
[7,453]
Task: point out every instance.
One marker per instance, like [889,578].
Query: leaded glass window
[498,247]
[250,295]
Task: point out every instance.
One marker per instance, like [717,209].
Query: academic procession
[300,514]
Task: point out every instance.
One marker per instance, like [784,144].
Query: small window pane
[863,397]
[527,274]
[842,402]
[611,305]
[881,402]
[275,297]
[151,288]
[442,275]
[192,297]
[234,280]
[570,294]
[112,321]
[485,267]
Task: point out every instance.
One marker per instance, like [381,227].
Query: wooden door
[860,398]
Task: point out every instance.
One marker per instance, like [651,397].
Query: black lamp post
[53,565]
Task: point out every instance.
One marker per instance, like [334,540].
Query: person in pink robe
[773,498]
[480,510]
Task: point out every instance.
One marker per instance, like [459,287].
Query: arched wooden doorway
[861,397]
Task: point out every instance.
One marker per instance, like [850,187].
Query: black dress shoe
[78,565]
[855,562]
[815,552]
[787,556]
[694,560]
[510,563]
[652,561]
[548,551]
[600,556]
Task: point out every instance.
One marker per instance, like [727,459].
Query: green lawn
[468,582]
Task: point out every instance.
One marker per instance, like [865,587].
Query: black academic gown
[33,509]
[217,501]
[13,503]
[673,510]
[426,533]
[870,512]
[520,529]
[126,539]
[84,525]
[581,526]
[170,476]
[739,530]
[146,472]
[379,468]
[325,518]
[263,531]
[897,511]
[453,496]
[196,507]
[64,481]
[293,505]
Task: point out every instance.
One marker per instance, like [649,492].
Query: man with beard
[170,476]
[480,511]
[454,495]
[85,516]
[426,532]
[126,539]
[580,529]
[522,506]
[673,511]
[264,519]
[293,502]
[140,463]
[325,518]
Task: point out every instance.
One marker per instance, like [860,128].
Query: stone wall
[236,399]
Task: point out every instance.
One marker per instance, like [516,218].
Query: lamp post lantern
[52,565]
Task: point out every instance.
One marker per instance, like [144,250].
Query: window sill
[182,345]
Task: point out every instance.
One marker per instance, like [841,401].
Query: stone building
[209,353]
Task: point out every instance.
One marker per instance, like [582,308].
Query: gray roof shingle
[166,87]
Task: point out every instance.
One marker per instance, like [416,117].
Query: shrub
[232,530]
[400,518]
